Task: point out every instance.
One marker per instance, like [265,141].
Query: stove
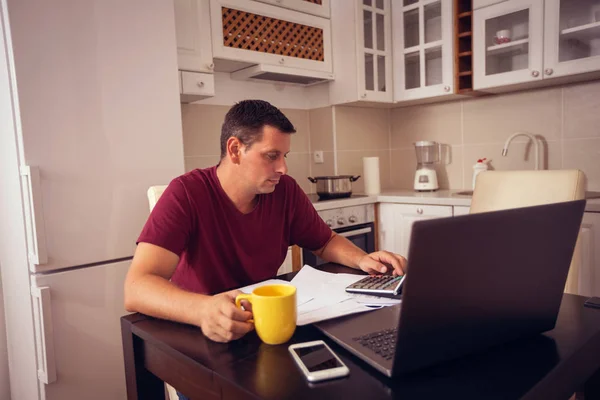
[314,198]
[356,223]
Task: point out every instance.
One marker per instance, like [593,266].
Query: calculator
[377,284]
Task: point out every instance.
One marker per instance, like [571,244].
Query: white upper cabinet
[192,28]
[258,33]
[423,49]
[572,37]
[362,45]
[314,7]
[507,43]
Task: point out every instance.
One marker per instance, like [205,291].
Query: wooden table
[549,366]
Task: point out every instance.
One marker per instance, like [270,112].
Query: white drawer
[424,210]
[197,83]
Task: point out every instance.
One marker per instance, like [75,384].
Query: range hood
[276,73]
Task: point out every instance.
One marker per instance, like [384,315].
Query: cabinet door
[424,50]
[460,210]
[314,7]
[589,256]
[374,50]
[571,37]
[192,29]
[507,43]
[396,221]
[259,33]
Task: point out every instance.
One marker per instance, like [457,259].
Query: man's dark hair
[246,120]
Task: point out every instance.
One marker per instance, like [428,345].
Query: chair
[499,190]
[154,193]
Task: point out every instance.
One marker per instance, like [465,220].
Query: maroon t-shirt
[221,248]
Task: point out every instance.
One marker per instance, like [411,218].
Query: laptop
[473,282]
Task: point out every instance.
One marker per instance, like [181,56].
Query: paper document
[322,295]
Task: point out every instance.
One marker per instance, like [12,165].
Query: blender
[428,153]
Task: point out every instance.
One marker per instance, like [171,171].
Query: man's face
[263,164]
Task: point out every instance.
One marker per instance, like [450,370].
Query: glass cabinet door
[375,53]
[425,51]
[572,37]
[507,43]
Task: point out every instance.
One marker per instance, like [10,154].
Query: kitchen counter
[408,196]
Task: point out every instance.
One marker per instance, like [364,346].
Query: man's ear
[234,149]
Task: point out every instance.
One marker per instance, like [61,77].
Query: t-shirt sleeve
[309,231]
[170,222]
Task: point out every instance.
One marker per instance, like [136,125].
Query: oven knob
[352,219]
[341,221]
[329,223]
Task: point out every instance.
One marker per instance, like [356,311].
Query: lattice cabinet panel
[260,33]
[248,31]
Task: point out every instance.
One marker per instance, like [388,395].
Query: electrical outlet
[318,157]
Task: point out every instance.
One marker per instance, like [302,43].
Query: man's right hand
[222,321]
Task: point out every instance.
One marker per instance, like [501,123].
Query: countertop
[408,196]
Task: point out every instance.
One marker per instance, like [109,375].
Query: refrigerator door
[100,122]
[78,333]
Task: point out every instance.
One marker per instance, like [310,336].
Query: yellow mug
[274,312]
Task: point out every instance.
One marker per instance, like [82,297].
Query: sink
[588,195]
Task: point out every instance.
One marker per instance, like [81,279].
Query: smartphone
[317,361]
[593,302]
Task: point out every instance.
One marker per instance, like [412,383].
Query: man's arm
[342,251]
[149,291]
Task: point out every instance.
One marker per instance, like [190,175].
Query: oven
[355,223]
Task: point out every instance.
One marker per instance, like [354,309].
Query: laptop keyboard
[381,342]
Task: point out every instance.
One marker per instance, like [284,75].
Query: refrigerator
[89,119]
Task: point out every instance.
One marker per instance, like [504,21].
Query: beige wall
[566,119]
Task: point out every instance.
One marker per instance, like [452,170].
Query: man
[229,226]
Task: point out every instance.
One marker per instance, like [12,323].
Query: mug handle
[240,297]
[238,301]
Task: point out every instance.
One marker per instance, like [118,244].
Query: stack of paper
[321,295]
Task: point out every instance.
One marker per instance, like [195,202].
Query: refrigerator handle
[38,255]
[45,346]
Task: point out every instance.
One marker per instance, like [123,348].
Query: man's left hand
[379,262]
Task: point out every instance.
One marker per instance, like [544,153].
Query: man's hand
[378,262]
[222,321]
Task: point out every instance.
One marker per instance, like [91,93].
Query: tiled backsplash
[567,119]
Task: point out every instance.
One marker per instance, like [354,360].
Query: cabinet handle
[446,88]
[363,96]
[200,84]
[549,71]
[419,210]
[282,60]
[535,74]
[211,66]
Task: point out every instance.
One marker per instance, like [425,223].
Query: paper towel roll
[371,175]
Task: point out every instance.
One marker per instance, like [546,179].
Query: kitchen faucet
[535,144]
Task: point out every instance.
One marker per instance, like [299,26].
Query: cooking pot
[332,187]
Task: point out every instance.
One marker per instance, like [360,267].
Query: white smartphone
[317,361]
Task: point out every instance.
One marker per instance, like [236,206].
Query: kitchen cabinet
[571,37]
[362,42]
[257,33]
[195,86]
[396,221]
[460,210]
[423,49]
[589,255]
[314,7]
[192,33]
[508,43]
